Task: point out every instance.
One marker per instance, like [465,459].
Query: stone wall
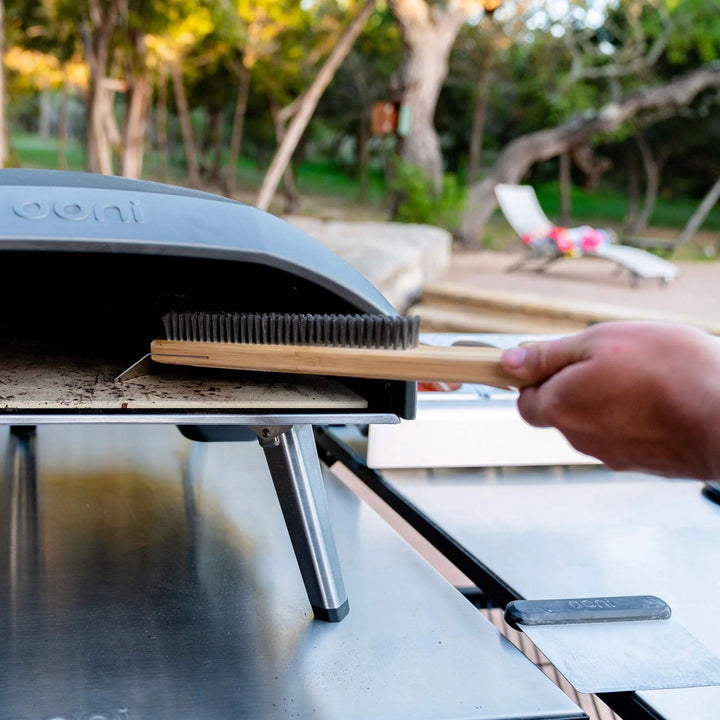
[399,259]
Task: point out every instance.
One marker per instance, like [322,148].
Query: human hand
[637,395]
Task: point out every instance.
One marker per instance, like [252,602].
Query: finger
[538,361]
[530,406]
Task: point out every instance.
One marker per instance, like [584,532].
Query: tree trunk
[161,122]
[96,38]
[134,132]
[236,134]
[698,217]
[185,125]
[112,131]
[426,68]
[211,145]
[522,153]
[44,121]
[306,105]
[479,119]
[107,133]
[652,184]
[363,155]
[593,166]
[137,105]
[3,105]
[429,34]
[633,194]
[62,126]
[290,191]
[216,140]
[565,186]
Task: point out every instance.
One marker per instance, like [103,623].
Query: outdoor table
[146,577]
[568,532]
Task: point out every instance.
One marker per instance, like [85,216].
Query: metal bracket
[269,435]
[142,367]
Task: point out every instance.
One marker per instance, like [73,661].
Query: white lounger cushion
[641,262]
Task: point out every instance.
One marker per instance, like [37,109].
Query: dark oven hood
[93,262]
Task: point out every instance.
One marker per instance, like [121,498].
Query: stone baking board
[42,382]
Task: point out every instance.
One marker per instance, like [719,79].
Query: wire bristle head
[368,331]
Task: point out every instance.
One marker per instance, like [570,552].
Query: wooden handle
[427,363]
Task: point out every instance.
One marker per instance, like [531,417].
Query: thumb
[539,360]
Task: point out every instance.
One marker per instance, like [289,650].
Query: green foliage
[419,203]
[344,110]
[283,42]
[288,41]
[696,31]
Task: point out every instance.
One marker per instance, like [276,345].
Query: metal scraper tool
[615,644]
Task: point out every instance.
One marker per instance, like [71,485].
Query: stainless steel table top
[157,580]
[592,533]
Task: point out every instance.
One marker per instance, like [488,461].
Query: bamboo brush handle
[426,363]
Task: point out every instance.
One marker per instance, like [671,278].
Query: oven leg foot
[292,458]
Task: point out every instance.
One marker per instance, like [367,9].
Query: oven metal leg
[292,458]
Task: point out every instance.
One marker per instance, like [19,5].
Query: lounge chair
[545,242]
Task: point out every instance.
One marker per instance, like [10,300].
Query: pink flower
[592,239]
[562,240]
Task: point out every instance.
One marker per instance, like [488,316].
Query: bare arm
[638,396]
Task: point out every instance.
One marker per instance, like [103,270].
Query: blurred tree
[698,217]
[256,27]
[215,57]
[188,22]
[137,21]
[292,120]
[429,32]
[3,102]
[41,61]
[111,36]
[97,20]
[479,81]
[209,66]
[136,78]
[346,107]
[284,75]
[594,67]
[695,36]
[519,155]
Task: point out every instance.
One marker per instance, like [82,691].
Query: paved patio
[410,263]
[587,285]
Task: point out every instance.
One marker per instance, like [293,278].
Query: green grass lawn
[607,206]
[32,151]
[318,178]
[315,178]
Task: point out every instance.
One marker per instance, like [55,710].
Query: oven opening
[81,319]
[112,304]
